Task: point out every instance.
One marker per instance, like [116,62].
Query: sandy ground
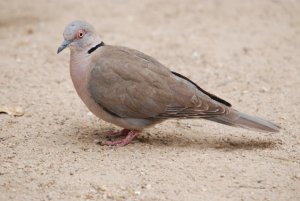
[247,52]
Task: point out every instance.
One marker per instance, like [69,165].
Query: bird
[134,91]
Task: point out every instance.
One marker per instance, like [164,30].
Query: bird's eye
[80,34]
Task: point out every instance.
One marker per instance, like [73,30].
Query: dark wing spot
[212,96]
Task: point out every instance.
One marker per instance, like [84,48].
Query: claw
[130,135]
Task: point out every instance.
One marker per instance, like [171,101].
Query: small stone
[96,141]
[110,196]
[102,188]
[245,92]
[195,55]
[263,90]
[137,192]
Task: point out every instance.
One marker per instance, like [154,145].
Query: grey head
[78,35]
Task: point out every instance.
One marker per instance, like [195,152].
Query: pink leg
[122,132]
[129,137]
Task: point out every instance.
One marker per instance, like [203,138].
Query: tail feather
[239,119]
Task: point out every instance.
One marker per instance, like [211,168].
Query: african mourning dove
[134,91]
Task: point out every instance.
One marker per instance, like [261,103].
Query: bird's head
[78,35]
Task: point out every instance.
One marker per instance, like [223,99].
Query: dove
[134,91]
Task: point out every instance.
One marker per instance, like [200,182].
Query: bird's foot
[122,132]
[130,135]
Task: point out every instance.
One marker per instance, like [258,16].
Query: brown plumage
[134,91]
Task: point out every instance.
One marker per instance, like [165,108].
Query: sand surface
[247,52]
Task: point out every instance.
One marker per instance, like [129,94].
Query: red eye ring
[80,34]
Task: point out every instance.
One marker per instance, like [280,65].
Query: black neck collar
[96,47]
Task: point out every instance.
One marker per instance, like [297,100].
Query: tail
[239,119]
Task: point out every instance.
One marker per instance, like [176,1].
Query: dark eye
[80,34]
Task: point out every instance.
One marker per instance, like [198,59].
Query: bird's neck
[79,68]
[80,62]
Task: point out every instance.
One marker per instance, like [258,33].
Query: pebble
[96,141]
[137,192]
[263,90]
[148,186]
[245,92]
[89,114]
[195,55]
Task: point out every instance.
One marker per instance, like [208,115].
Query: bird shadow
[208,142]
[164,139]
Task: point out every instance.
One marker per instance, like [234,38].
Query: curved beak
[64,44]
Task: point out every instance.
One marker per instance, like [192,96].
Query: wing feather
[130,84]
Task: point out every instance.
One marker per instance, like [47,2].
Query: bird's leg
[129,137]
[122,132]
